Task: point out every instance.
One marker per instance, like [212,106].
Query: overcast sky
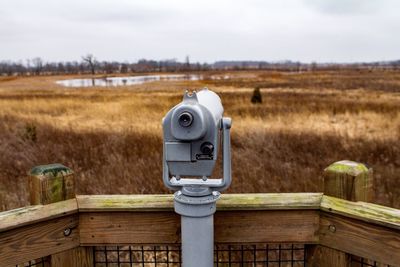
[206,30]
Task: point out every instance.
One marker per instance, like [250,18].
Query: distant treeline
[89,65]
[37,66]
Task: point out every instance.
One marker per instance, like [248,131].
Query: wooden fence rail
[333,228]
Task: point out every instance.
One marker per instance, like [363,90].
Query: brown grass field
[111,137]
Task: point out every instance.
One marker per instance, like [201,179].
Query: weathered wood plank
[270,201]
[129,228]
[230,226]
[360,238]
[284,201]
[38,240]
[32,214]
[96,203]
[297,226]
[367,212]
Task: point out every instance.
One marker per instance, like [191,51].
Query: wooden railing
[334,225]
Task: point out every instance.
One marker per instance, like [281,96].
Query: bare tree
[313,66]
[91,61]
[187,63]
[124,68]
[37,65]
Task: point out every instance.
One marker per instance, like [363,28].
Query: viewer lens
[185,119]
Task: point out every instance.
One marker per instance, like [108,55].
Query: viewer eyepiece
[185,119]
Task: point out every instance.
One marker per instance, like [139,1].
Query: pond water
[128,80]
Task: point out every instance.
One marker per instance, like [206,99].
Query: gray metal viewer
[192,132]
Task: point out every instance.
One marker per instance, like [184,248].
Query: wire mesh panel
[271,255]
[42,262]
[132,256]
[362,262]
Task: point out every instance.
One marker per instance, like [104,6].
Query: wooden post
[77,257]
[346,180]
[349,180]
[52,183]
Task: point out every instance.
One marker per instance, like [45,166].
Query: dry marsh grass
[112,137]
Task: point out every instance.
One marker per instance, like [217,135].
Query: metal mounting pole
[197,228]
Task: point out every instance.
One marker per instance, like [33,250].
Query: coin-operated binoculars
[192,131]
